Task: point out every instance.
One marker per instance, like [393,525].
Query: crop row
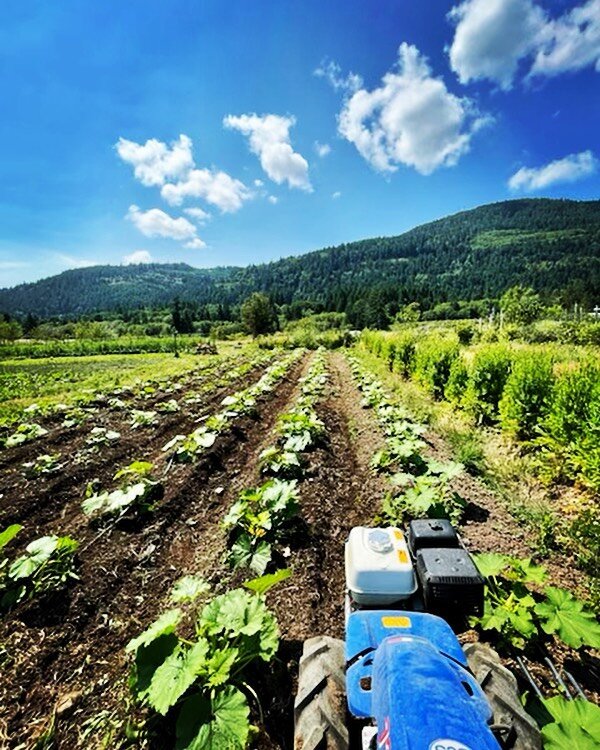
[260,517]
[419,485]
[204,682]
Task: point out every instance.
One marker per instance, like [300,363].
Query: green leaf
[245,554]
[38,552]
[491,564]
[175,675]
[148,659]
[217,723]
[264,583]
[239,613]
[527,572]
[188,588]
[218,667]
[9,533]
[561,613]
[576,725]
[135,469]
[164,625]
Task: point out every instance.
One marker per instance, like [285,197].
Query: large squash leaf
[175,675]
[576,725]
[244,620]
[217,723]
[561,613]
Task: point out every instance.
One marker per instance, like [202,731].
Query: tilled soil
[38,503]
[67,653]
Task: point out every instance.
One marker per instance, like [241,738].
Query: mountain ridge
[550,244]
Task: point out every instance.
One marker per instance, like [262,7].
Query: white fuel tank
[379,570]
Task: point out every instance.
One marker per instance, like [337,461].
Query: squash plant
[572,725]
[255,522]
[137,494]
[47,564]
[201,680]
[23,434]
[520,615]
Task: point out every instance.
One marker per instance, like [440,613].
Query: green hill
[551,245]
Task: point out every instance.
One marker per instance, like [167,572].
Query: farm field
[245,463]
[46,381]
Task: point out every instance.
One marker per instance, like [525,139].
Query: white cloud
[217,188]
[569,169]
[411,119]
[154,162]
[573,44]
[258,183]
[157,223]
[71,261]
[269,138]
[332,73]
[172,168]
[493,37]
[195,244]
[197,214]
[322,149]
[336,195]
[273,199]
[137,256]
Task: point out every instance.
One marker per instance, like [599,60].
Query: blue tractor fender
[407,672]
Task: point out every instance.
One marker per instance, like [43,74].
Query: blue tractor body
[407,673]
[400,680]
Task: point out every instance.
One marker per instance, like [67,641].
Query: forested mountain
[551,245]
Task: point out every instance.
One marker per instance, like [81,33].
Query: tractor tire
[320,707]
[515,728]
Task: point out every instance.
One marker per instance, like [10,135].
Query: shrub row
[531,394]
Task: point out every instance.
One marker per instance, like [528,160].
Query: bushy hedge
[527,395]
[488,373]
[433,361]
[546,397]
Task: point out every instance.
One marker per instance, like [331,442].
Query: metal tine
[558,678]
[529,678]
[576,685]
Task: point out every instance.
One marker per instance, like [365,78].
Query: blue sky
[424,109]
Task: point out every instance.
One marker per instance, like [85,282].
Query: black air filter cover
[451,583]
[431,532]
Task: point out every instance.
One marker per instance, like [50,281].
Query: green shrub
[465,333]
[433,361]
[527,395]
[585,531]
[388,352]
[404,356]
[489,372]
[570,438]
[576,394]
[458,380]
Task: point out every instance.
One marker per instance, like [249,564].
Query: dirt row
[65,652]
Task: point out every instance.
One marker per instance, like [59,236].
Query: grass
[48,381]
